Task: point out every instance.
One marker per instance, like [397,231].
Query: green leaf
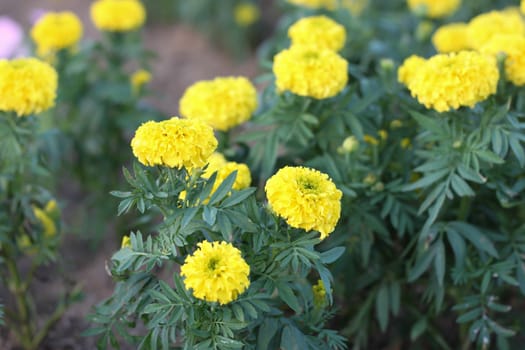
[475,236]
[382,307]
[430,124]
[418,328]
[440,261]
[329,256]
[286,294]
[458,246]
[266,333]
[460,186]
[189,214]
[209,214]
[427,180]
[224,188]
[422,264]
[470,316]
[469,174]
[395,297]
[293,339]
[489,157]
[237,197]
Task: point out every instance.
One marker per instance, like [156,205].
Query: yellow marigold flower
[405,143]
[350,145]
[305,198]
[118,15]
[27,86]
[451,38]
[216,272]
[396,123]
[126,242]
[434,8]
[307,71]
[223,103]
[246,13]
[47,223]
[51,207]
[316,4]
[513,46]
[450,81]
[383,134]
[319,293]
[139,78]
[174,143]
[522,6]
[409,69]
[217,163]
[55,31]
[482,27]
[319,32]
[371,140]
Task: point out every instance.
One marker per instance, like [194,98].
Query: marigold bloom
[55,31]
[126,242]
[311,72]
[118,15]
[174,143]
[245,14]
[46,221]
[139,79]
[217,163]
[305,198]
[216,272]
[434,8]
[319,293]
[451,38]
[27,86]
[522,6]
[409,69]
[513,46]
[319,32]
[223,103]
[450,81]
[482,27]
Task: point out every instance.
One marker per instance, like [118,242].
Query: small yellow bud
[396,123]
[371,140]
[350,145]
[319,292]
[370,179]
[405,143]
[383,134]
[126,242]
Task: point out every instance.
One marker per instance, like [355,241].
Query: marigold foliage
[311,72]
[216,272]
[482,27]
[513,46]
[118,15]
[319,32]
[55,31]
[245,14]
[451,38]
[223,102]
[174,143]
[217,163]
[450,81]
[305,198]
[27,86]
[434,8]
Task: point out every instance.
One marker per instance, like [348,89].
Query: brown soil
[184,56]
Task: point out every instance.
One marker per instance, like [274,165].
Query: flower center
[212,264]
[308,185]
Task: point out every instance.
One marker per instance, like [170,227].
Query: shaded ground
[184,56]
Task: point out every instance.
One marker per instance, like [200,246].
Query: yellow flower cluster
[139,78]
[482,27]
[451,38]
[319,32]
[174,143]
[223,103]
[513,46]
[217,163]
[434,8]
[311,72]
[118,15]
[450,81]
[216,272]
[305,198]
[55,31]
[245,14]
[522,6]
[27,86]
